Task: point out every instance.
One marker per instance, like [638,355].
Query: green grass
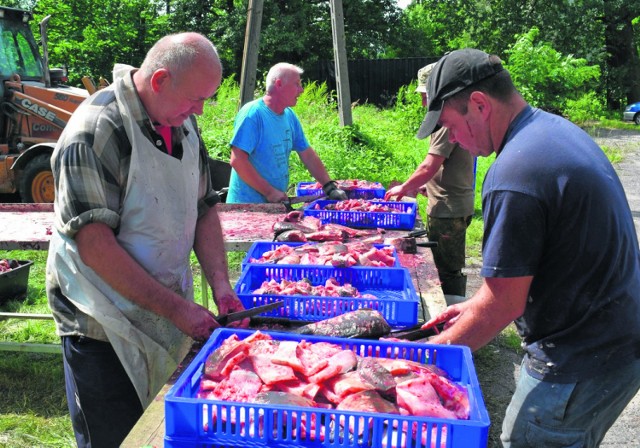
[380,146]
[33,409]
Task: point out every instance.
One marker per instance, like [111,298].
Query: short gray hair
[177,52]
[281,70]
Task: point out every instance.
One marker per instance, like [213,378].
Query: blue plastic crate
[258,248]
[404,220]
[396,298]
[355,193]
[190,421]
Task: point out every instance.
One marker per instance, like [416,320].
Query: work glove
[333,192]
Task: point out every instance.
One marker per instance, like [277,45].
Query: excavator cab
[19,52]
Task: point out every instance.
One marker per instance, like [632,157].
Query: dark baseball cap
[453,73]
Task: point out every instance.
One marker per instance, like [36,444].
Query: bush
[588,107]
[216,122]
[546,78]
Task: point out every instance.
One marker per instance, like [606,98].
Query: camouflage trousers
[449,255]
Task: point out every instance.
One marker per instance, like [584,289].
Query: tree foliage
[432,28]
[621,43]
[545,77]
[89,36]
[295,31]
[602,32]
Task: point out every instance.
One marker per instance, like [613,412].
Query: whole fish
[291,236]
[282,226]
[362,323]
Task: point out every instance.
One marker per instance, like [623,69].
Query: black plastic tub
[13,283]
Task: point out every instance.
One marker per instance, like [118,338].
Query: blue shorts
[571,415]
[103,404]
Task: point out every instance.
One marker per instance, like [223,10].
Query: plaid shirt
[91,169]
[91,161]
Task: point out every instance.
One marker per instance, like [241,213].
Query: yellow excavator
[35,106]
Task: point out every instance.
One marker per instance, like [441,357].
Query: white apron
[157,229]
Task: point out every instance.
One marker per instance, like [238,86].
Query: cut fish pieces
[420,398]
[314,357]
[341,362]
[286,356]
[340,386]
[222,361]
[368,401]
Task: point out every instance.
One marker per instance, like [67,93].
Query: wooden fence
[376,81]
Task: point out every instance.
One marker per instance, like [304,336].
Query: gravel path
[625,433]
[498,365]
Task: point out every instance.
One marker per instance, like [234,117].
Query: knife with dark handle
[415,333]
[239,315]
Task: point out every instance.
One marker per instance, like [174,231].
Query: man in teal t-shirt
[266,130]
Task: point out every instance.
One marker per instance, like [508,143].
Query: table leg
[204,286]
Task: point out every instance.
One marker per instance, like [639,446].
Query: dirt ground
[498,364]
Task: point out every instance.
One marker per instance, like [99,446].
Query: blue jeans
[573,415]
[102,401]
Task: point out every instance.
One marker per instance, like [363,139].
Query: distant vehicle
[632,113]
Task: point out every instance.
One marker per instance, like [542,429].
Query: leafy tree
[431,28]
[89,37]
[20,4]
[572,26]
[545,77]
[296,31]
[623,66]
[603,32]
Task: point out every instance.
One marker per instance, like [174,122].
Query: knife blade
[416,332]
[306,198]
[239,315]
[298,199]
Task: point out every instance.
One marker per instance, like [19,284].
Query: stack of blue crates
[192,421]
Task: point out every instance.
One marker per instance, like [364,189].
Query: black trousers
[103,403]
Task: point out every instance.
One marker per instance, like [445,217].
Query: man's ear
[160,79]
[479,101]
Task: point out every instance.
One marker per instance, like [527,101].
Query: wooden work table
[30,226]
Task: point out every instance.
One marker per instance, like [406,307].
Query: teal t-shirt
[268,139]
